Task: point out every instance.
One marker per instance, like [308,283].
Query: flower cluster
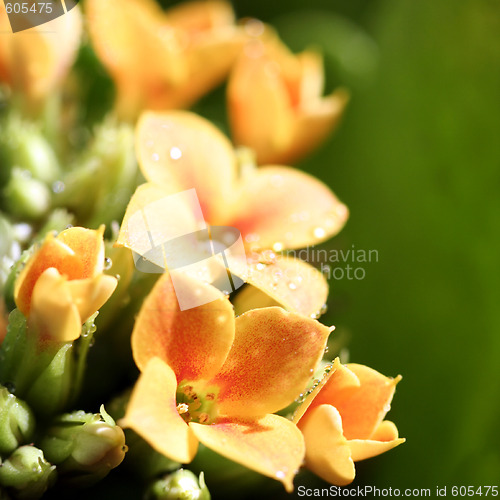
[221,324]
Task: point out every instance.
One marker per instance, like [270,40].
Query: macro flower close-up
[258,364]
[245,247]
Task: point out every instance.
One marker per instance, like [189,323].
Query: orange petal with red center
[384,439]
[180,150]
[271,362]
[88,246]
[292,283]
[53,314]
[259,105]
[281,207]
[90,295]
[328,454]
[272,446]
[53,253]
[194,342]
[364,407]
[152,413]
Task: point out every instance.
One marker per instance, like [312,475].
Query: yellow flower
[163,60]
[63,284]
[35,61]
[275,101]
[343,421]
[274,208]
[212,378]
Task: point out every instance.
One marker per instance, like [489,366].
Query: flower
[342,420]
[163,60]
[63,285]
[208,377]
[275,100]
[35,61]
[275,208]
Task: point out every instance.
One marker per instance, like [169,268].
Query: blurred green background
[417,160]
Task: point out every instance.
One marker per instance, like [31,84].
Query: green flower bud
[22,145]
[84,446]
[17,422]
[25,196]
[180,485]
[100,184]
[27,473]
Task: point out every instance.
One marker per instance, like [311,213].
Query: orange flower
[275,100]
[63,283]
[342,421]
[208,377]
[35,61]
[274,208]
[163,60]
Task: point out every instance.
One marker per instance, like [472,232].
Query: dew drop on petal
[292,285]
[175,153]
[107,263]
[319,232]
[280,474]
[260,266]
[155,156]
[58,187]
[278,246]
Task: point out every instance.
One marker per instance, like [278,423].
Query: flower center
[197,403]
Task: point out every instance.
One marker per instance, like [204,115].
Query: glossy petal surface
[271,361]
[194,342]
[272,445]
[152,413]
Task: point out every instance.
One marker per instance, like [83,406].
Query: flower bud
[17,422]
[26,197]
[27,473]
[84,446]
[181,484]
[24,146]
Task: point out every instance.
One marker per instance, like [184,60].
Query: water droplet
[260,266]
[278,246]
[319,232]
[280,474]
[155,156]
[326,349]
[175,153]
[323,309]
[107,263]
[58,187]
[311,370]
[292,286]
[387,407]
[118,277]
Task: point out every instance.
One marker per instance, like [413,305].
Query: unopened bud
[84,446]
[27,473]
[17,422]
[26,196]
[180,485]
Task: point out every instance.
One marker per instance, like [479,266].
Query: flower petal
[292,283]
[154,216]
[337,378]
[384,439]
[53,253]
[272,360]
[180,151]
[318,118]
[363,408]
[327,451]
[152,413]
[90,295]
[194,342]
[281,207]
[88,246]
[272,446]
[259,106]
[53,314]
